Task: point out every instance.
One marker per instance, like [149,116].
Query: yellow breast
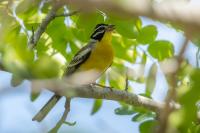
[101,56]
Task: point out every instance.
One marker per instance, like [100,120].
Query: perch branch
[87,91]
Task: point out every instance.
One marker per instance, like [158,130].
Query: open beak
[110,27]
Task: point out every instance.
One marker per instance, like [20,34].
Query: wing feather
[81,56]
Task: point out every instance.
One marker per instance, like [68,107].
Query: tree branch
[61,87]
[164,115]
[63,118]
[42,27]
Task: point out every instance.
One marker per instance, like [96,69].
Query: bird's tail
[46,108]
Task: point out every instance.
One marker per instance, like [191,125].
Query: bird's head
[102,31]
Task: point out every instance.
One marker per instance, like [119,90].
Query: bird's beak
[110,27]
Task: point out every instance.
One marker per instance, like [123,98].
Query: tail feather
[46,108]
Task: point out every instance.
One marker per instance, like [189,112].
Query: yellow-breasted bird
[96,55]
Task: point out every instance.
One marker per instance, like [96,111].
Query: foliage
[64,36]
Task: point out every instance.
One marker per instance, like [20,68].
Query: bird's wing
[80,57]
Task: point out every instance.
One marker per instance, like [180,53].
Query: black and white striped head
[99,31]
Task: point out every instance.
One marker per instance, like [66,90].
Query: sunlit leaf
[151,79]
[147,34]
[60,34]
[161,49]
[42,69]
[124,110]
[138,24]
[123,49]
[96,106]
[87,22]
[144,58]
[148,126]
[126,27]
[135,54]
[142,116]
[116,78]
[27,11]
[16,80]
[188,101]
[22,59]
[194,128]
[34,95]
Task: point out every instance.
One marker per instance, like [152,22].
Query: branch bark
[164,115]
[41,29]
[87,91]
[63,118]
[49,17]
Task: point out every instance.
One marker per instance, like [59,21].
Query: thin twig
[32,37]
[126,82]
[163,118]
[63,118]
[42,27]
[197,57]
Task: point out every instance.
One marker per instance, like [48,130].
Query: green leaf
[142,116]
[16,80]
[161,49]
[125,27]
[70,123]
[194,128]
[34,95]
[123,48]
[148,95]
[22,59]
[42,68]
[144,58]
[189,101]
[196,41]
[147,34]
[96,106]
[124,110]
[27,10]
[26,6]
[87,22]
[43,45]
[135,54]
[148,126]
[138,24]
[151,79]
[116,78]
[60,34]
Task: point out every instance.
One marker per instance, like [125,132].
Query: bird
[97,55]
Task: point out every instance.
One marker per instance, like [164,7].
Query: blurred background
[17,110]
